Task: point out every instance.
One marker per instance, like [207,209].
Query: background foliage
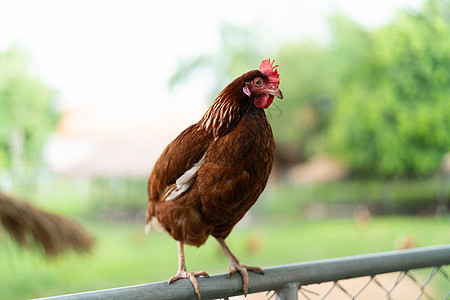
[27,110]
[391,116]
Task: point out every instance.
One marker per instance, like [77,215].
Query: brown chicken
[214,171]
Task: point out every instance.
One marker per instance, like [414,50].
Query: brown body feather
[237,144]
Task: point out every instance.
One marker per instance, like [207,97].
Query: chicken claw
[236,266]
[183,274]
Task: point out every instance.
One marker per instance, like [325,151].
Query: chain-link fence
[421,273]
[429,283]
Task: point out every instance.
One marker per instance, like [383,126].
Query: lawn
[124,255]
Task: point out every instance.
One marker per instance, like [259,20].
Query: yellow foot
[242,269]
[191,276]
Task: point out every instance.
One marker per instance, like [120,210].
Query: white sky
[118,55]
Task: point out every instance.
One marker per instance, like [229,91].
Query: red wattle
[269,101]
[263,101]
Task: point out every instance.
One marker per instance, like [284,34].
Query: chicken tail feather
[148,217]
[51,233]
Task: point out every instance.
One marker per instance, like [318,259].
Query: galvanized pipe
[278,277]
[288,292]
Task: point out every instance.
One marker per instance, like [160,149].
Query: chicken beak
[276,92]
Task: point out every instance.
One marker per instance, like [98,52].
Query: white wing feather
[184,182]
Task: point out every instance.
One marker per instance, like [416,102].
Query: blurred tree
[392,116]
[27,110]
[308,82]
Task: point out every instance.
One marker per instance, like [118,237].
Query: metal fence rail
[286,280]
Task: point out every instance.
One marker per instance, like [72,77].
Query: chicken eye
[258,82]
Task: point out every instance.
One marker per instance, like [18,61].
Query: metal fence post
[288,292]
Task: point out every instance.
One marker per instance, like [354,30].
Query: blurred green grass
[124,255]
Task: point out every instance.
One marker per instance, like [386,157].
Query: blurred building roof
[124,158]
[94,143]
[319,169]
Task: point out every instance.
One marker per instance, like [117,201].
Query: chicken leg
[184,274]
[236,266]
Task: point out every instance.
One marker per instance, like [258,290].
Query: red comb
[270,70]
